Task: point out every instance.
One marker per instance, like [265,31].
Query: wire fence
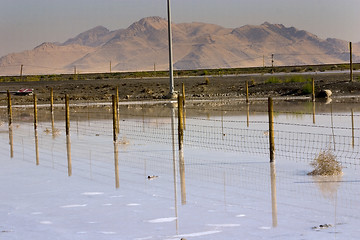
[225,146]
[298,137]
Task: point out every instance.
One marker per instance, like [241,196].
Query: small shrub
[325,164]
[297,78]
[204,73]
[307,88]
[207,81]
[273,80]
[296,69]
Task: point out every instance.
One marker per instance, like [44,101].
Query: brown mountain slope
[45,59]
[144,45]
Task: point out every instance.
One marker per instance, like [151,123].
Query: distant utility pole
[263,61]
[110,66]
[351,63]
[171,71]
[21,70]
[272,62]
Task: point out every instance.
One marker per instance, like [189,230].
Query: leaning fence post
[9,108]
[114,105]
[271,129]
[67,114]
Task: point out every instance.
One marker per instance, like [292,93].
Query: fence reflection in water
[223,145]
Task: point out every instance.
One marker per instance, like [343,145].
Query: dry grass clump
[124,141]
[325,164]
[54,131]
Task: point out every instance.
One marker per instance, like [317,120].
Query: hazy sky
[24,24]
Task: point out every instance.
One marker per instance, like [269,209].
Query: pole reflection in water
[181,149]
[11,141]
[35,130]
[248,114]
[352,129]
[37,147]
[222,125]
[53,125]
[273,194]
[329,186]
[68,148]
[174,166]
[116,161]
[182,176]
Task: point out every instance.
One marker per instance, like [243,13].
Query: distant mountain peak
[91,38]
[196,45]
[266,24]
[45,45]
[149,23]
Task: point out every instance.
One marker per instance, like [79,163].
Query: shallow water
[219,186]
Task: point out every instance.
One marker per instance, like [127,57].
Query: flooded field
[219,185]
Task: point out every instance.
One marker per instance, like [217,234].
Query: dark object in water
[152,177]
[322,226]
[324,94]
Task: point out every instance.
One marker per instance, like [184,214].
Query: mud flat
[201,87]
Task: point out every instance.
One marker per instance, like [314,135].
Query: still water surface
[219,186]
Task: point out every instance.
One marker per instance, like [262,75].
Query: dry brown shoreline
[226,87]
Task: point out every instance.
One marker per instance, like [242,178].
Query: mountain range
[144,46]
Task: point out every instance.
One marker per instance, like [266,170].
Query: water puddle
[201,172]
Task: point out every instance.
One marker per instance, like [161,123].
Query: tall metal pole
[171,71]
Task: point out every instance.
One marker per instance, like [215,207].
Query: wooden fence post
[114,105]
[9,108]
[351,63]
[313,90]
[35,112]
[271,129]
[67,114]
[180,121]
[183,93]
[51,100]
[184,111]
[117,110]
[247,92]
